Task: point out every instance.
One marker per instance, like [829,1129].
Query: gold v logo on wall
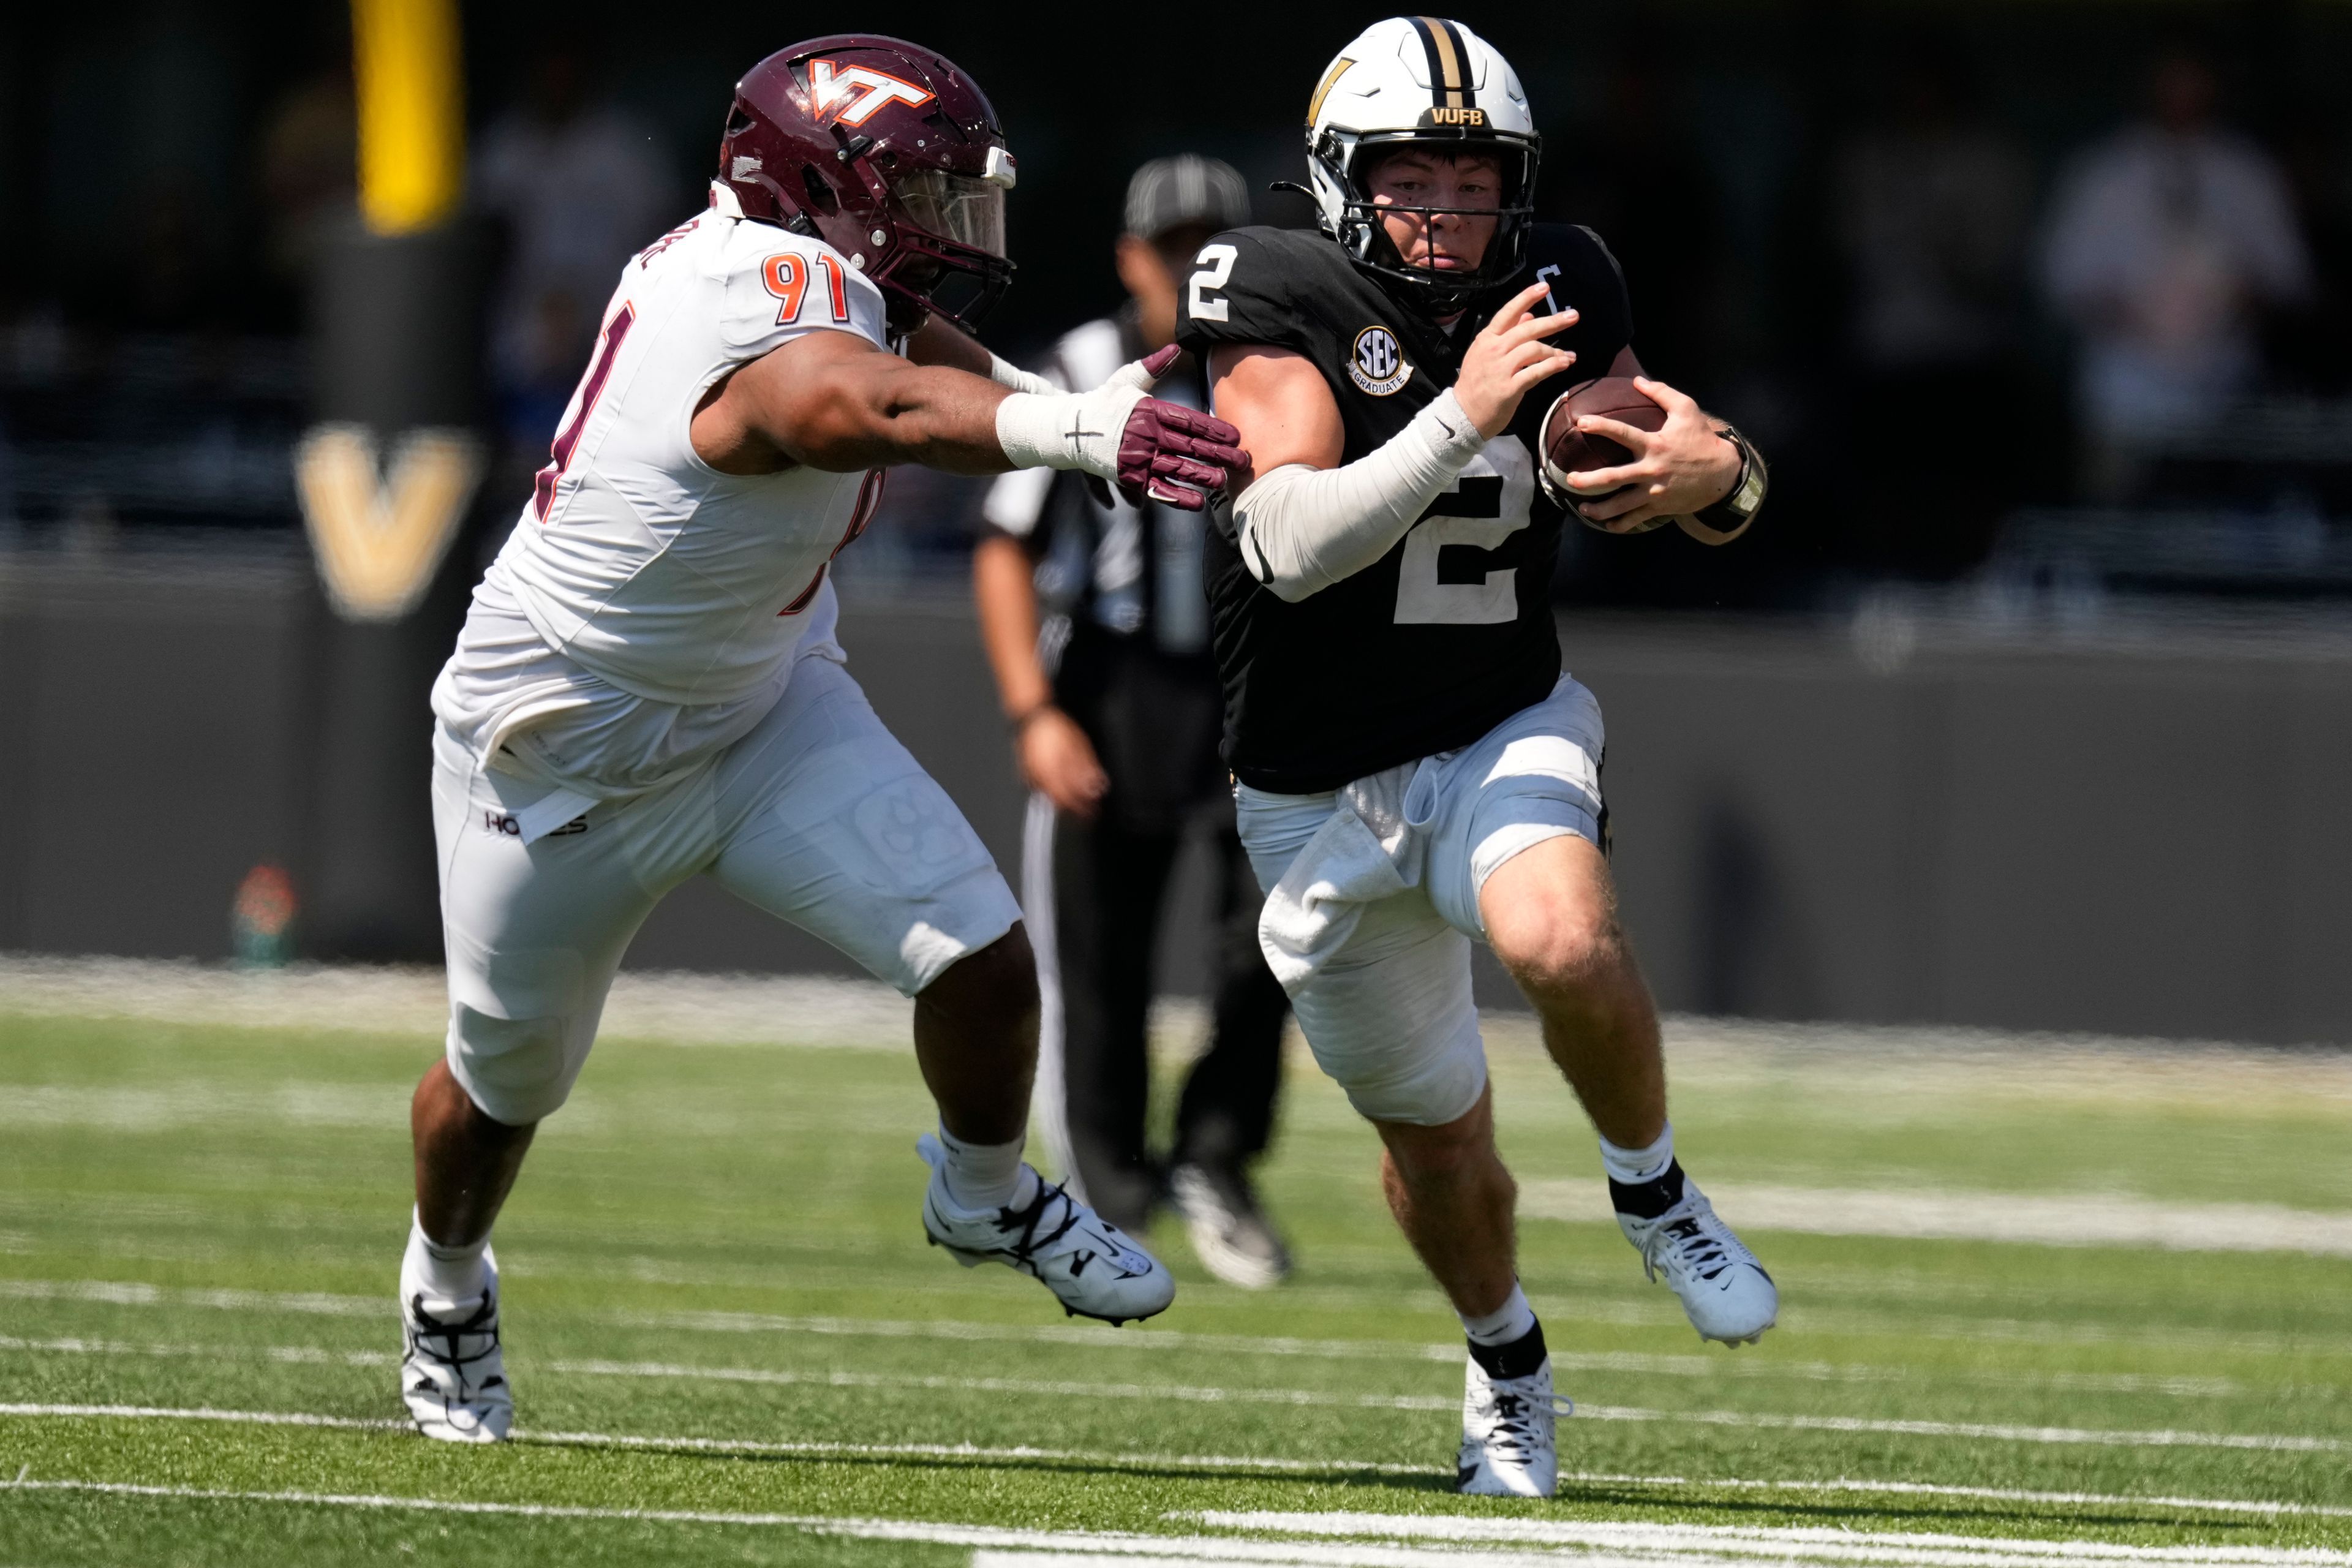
[379,536]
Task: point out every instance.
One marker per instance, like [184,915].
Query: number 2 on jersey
[592,387]
[786,275]
[1216,264]
[1485,507]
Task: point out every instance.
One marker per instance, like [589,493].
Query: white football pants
[818,817]
[1373,897]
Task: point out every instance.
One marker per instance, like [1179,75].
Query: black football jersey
[1451,632]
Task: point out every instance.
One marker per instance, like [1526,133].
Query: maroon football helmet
[887,152]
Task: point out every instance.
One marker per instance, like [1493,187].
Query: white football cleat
[1089,1263]
[1725,1291]
[452,1376]
[1510,1434]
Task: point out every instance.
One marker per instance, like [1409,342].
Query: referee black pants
[1096,891]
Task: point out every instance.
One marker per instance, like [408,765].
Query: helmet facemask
[951,259]
[1341,160]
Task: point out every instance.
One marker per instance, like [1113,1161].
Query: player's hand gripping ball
[1568,450]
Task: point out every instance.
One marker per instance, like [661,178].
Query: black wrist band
[1738,509]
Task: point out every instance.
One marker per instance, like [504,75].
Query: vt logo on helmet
[1425,82]
[851,96]
[889,154]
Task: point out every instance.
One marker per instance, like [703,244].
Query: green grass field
[730,1345]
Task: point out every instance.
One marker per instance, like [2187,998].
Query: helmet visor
[957,208]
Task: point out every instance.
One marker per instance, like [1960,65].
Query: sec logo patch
[1377,364]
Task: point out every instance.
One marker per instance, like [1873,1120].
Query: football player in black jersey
[1414,770]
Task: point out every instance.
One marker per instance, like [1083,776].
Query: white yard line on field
[679,1007]
[1637,1362]
[1169,1550]
[132,1294]
[1749,1541]
[294,1355]
[813,1448]
[206,1413]
[1198,1394]
[1187,1393]
[1217,1462]
[1523,1543]
[1988,1431]
[2082,1219]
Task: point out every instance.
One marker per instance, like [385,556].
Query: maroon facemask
[890,154]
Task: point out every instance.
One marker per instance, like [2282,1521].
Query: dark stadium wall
[2140,840]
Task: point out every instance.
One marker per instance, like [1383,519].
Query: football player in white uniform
[648,686]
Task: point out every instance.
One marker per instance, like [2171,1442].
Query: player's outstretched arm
[835,402]
[1686,469]
[1304,521]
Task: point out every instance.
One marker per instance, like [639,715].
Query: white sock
[1647,1163]
[449,1274]
[985,1175]
[1506,1325]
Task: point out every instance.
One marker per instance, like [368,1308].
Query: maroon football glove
[1177,456]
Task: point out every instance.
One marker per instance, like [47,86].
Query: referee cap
[1168,193]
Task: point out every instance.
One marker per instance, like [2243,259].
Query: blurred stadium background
[2025,714]
[2027,708]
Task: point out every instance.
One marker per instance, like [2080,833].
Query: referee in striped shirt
[1097,626]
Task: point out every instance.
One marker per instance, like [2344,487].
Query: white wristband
[1067,430]
[1302,528]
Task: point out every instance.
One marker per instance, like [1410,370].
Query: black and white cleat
[1510,1433]
[453,1374]
[1091,1265]
[1725,1292]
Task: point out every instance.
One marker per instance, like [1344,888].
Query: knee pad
[517,1070]
[1400,1032]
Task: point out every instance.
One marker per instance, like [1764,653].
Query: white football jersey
[633,557]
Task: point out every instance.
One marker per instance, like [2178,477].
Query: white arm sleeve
[1302,528]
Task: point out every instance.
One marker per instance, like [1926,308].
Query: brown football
[1566,450]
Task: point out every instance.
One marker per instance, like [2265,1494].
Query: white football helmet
[1421,79]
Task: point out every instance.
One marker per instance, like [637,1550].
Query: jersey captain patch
[1377,364]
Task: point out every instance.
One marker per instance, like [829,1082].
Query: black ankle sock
[1648,1200]
[1517,1359]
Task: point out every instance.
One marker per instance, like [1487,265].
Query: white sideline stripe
[1189,1393]
[1197,1393]
[1214,1394]
[1202,1461]
[1617,1545]
[1987,1494]
[132,1294]
[2082,1219]
[813,1448]
[208,1412]
[1646,1363]
[1169,1550]
[1751,1540]
[1993,1431]
[2235,1341]
[676,1007]
[300,1355]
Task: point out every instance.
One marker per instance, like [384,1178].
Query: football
[1567,450]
